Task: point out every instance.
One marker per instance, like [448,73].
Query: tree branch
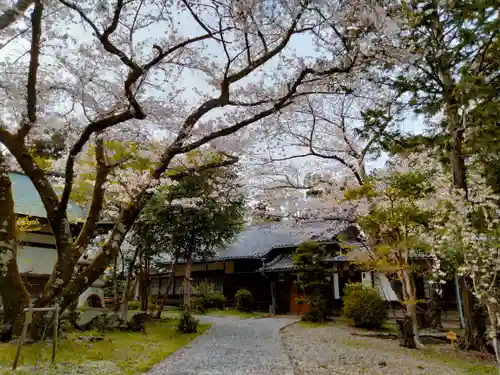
[10,16]
[189,171]
[90,225]
[281,103]
[36,32]
[93,127]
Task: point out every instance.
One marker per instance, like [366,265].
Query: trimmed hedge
[364,306]
[244,300]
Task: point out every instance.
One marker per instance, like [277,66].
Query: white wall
[41,261]
[366,278]
[384,287]
[36,260]
[336,286]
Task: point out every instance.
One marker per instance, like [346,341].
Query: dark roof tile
[259,239]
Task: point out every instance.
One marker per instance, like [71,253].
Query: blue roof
[259,239]
[27,200]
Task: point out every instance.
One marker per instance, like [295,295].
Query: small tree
[310,258]
[190,219]
[397,226]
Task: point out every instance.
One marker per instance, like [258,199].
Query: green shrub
[244,300]
[203,302]
[152,303]
[134,305]
[200,303]
[364,306]
[216,300]
[187,323]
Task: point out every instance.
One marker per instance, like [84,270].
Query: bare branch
[11,15]
[92,219]
[189,171]
[92,128]
[281,103]
[104,37]
[36,32]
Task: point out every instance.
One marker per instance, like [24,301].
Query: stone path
[232,347]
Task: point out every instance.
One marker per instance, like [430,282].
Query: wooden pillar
[273,297]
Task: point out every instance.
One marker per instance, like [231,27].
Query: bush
[187,323]
[200,303]
[364,306]
[203,302]
[152,303]
[244,300]
[216,300]
[134,305]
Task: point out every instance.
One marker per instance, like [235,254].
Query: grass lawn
[236,313]
[119,352]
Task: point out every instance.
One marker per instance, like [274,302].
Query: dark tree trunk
[474,337]
[14,295]
[170,283]
[144,290]
[116,292]
[433,313]
[406,335]
[187,281]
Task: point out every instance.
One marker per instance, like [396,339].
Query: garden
[139,139]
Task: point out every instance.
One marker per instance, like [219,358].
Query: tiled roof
[28,202]
[283,262]
[258,239]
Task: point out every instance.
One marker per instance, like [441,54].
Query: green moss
[236,313]
[119,352]
[458,360]
[307,324]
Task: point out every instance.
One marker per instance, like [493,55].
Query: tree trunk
[187,282]
[409,291]
[116,296]
[14,295]
[406,335]
[474,336]
[126,289]
[433,313]
[493,318]
[169,284]
[145,285]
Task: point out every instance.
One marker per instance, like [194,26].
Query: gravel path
[232,347]
[332,350]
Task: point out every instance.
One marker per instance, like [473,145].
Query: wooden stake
[54,336]
[28,317]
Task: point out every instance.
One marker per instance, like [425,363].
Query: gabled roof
[28,202]
[259,239]
[283,262]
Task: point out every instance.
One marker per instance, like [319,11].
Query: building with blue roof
[37,252]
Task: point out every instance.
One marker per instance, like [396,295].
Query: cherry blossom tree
[81,73]
[467,234]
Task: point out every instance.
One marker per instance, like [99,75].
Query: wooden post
[28,317]
[54,336]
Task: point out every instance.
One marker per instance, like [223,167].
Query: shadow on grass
[125,353]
